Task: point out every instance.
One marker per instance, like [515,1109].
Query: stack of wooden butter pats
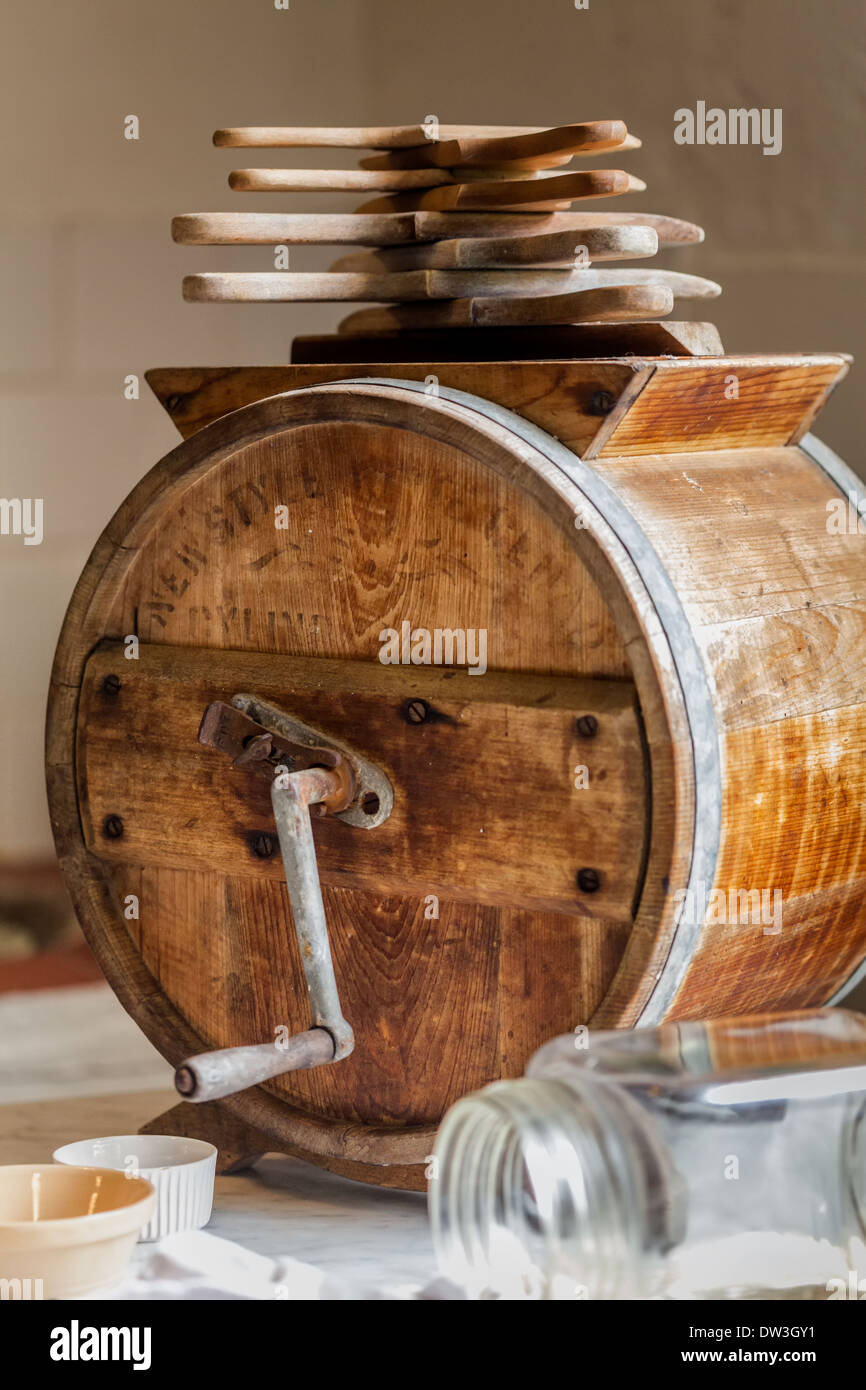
[465,227]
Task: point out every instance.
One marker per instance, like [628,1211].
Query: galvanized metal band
[847,482]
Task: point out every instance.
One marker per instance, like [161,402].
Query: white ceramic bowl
[68,1231]
[182,1172]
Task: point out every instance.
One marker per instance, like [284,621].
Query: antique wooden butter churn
[552,609]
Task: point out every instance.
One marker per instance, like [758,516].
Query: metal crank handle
[212,1075]
[215,1074]
[292,794]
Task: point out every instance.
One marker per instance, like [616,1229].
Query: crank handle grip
[212,1075]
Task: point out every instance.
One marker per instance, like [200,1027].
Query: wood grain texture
[562,398]
[717,406]
[778,607]
[613,304]
[551,194]
[366,136]
[463,156]
[715,517]
[383,137]
[450,285]
[539,150]
[334,180]
[422,995]
[211,956]
[432,226]
[404,504]
[467,189]
[598,244]
[456,815]
[406,136]
[406,228]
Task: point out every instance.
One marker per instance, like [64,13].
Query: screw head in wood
[110,684]
[112,827]
[586,726]
[416,711]
[588,880]
[262,845]
[602,403]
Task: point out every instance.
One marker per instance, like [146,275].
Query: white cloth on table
[196,1265]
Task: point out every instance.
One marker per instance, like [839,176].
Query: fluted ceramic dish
[67,1231]
[182,1172]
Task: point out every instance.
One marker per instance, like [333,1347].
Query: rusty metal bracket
[308,769]
[373,800]
[258,736]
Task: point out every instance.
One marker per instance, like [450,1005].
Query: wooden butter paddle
[548,194]
[394,137]
[536,189]
[301,287]
[551,250]
[403,229]
[616,304]
[334,180]
[542,149]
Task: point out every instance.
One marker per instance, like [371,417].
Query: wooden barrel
[670,720]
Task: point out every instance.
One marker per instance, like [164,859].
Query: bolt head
[588,880]
[112,827]
[602,403]
[416,711]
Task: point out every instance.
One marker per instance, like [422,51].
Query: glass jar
[724,1159]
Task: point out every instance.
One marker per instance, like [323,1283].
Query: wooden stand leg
[238,1145]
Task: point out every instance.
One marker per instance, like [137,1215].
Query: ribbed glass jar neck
[548,1189]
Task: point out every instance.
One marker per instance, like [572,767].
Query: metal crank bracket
[308,769]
